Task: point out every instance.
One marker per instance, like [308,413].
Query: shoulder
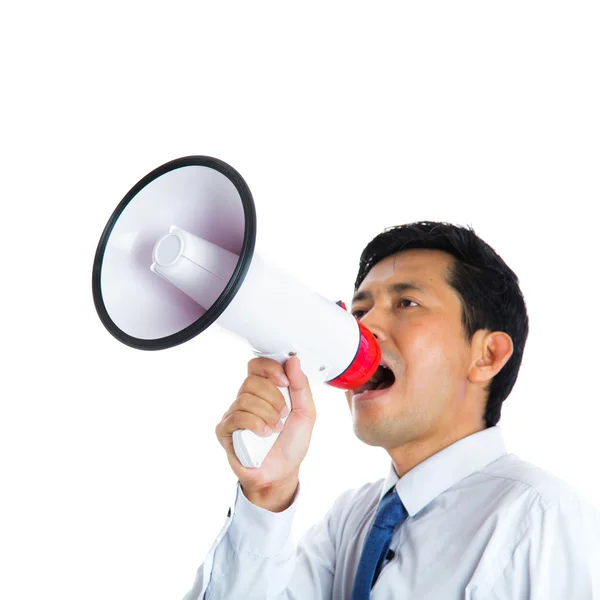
[521,478]
[549,533]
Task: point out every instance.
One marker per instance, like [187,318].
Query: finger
[300,392]
[269,369]
[242,420]
[265,389]
[260,407]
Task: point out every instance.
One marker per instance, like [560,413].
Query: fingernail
[279,426]
[267,430]
[285,412]
[284,381]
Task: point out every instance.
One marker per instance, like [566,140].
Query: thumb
[300,392]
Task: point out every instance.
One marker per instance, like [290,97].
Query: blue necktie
[390,514]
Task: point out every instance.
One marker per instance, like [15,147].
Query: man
[457,516]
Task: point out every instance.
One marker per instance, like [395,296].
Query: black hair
[489,290]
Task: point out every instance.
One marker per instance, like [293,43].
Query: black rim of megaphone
[239,274]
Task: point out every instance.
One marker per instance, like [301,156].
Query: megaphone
[177,255]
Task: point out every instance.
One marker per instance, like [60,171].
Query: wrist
[274,498]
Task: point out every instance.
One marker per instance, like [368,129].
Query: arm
[255,557]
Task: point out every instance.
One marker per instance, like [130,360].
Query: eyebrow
[394,288]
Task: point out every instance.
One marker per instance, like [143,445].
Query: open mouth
[381,380]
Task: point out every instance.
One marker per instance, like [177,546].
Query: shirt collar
[436,474]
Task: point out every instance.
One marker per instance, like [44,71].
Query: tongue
[364,388]
[371,385]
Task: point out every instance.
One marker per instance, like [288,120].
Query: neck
[407,456]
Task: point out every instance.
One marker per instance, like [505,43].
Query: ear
[490,352]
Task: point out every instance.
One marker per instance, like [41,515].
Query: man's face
[407,303]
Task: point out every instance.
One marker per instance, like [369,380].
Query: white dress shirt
[482,525]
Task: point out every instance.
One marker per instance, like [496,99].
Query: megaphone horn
[178,254]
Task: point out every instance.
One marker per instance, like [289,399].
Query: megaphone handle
[250,448]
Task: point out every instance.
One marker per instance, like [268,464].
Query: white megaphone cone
[221,281]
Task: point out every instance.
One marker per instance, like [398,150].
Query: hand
[259,403]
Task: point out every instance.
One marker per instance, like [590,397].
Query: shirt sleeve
[255,557]
[558,558]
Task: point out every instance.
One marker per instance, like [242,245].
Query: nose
[375,324]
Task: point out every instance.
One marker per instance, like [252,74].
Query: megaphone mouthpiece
[167,250]
[199,268]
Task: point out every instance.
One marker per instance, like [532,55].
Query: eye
[358,314]
[404,301]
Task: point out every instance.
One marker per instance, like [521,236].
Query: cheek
[429,355]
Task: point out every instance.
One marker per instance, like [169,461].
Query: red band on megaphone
[364,365]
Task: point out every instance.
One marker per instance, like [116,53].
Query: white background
[344,118]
